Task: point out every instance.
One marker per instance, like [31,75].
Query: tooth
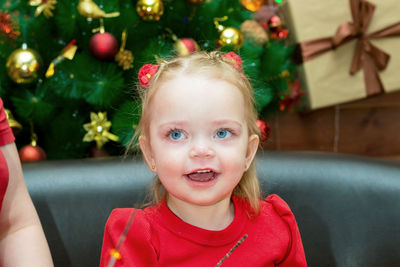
[203,171]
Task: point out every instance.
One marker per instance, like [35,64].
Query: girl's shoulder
[132,228]
[276,211]
[133,222]
[121,216]
[277,204]
[278,216]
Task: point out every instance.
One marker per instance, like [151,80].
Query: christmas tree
[69,68]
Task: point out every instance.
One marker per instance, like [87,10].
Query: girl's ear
[252,147]
[146,150]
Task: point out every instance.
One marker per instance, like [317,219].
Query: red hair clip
[234,59]
[146,73]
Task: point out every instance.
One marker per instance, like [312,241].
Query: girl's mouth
[202,175]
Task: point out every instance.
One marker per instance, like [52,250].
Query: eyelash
[229,130]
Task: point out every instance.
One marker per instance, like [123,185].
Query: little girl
[198,134]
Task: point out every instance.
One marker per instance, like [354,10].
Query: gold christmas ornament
[98,129]
[67,53]
[15,125]
[89,9]
[150,10]
[252,5]
[45,6]
[23,65]
[229,36]
[253,30]
[124,58]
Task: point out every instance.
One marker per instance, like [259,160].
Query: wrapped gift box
[327,77]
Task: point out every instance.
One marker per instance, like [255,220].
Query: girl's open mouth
[202,175]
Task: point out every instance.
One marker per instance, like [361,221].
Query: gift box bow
[366,56]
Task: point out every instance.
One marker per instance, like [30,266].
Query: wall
[369,127]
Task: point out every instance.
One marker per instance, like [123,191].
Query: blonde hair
[212,65]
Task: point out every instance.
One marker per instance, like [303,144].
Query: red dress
[157,237]
[6,137]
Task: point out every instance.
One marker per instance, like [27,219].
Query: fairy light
[114,253]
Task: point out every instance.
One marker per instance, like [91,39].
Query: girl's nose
[201,150]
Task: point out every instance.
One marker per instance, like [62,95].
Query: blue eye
[176,135]
[223,133]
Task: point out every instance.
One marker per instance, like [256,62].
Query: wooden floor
[369,127]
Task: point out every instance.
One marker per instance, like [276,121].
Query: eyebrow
[227,121]
[182,123]
[178,123]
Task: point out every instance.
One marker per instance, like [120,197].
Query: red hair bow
[146,73]
[234,59]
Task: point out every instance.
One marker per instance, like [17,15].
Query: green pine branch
[58,106]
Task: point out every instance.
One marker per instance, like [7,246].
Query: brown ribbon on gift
[366,56]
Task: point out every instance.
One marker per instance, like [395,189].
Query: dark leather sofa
[347,207]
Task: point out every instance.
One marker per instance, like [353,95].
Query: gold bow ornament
[98,129]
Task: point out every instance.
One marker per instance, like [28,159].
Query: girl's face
[198,139]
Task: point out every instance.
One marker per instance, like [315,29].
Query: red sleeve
[6,134]
[137,249]
[295,253]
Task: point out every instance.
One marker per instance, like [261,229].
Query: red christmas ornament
[7,27]
[103,45]
[186,46]
[276,28]
[31,153]
[280,35]
[274,23]
[264,128]
[292,100]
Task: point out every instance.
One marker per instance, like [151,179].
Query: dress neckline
[203,236]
